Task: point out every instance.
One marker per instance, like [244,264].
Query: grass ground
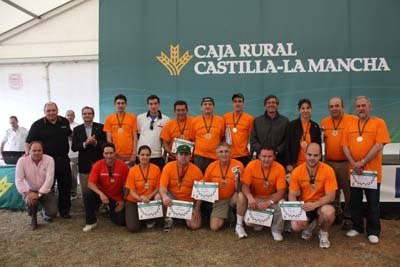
[62,243]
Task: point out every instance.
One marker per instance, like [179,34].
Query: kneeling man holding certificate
[176,184]
[143,182]
[223,172]
[315,182]
[263,186]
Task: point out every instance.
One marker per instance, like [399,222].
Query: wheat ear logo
[174,63]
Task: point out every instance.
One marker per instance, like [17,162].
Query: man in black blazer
[87,138]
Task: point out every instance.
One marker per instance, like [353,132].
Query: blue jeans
[373,222]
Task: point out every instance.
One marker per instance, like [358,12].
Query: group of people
[132,159]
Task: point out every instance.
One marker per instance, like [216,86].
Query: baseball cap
[207,99]
[183,149]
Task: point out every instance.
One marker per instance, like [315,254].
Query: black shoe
[65,215]
[338,220]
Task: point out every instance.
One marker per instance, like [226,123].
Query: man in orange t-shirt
[176,183]
[263,186]
[207,132]
[239,124]
[315,182]
[333,127]
[362,144]
[121,130]
[223,171]
[180,127]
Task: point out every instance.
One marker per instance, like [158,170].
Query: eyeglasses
[152,125]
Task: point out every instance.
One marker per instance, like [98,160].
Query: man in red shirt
[106,185]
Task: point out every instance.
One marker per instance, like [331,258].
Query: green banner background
[10,199]
[133,33]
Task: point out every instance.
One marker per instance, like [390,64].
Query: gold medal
[120,130]
[335,132]
[303,144]
[208,135]
[146,186]
[265,183]
[359,139]
[234,130]
[223,182]
[313,187]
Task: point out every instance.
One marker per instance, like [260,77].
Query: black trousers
[92,202]
[160,162]
[62,174]
[244,160]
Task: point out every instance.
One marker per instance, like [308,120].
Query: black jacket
[90,154]
[294,136]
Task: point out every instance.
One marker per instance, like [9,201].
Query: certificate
[178,141]
[293,211]
[205,191]
[180,210]
[150,210]
[259,217]
[368,179]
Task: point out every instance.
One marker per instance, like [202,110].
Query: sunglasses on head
[152,125]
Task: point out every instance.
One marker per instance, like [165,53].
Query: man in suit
[87,138]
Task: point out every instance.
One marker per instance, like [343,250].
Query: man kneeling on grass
[34,178]
[106,185]
[315,181]
[176,183]
[223,171]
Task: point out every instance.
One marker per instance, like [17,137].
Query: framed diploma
[205,191]
[259,217]
[293,211]
[178,141]
[368,179]
[150,210]
[180,210]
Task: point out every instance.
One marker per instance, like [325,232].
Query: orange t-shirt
[333,147]
[136,181]
[375,132]
[302,151]
[169,180]
[240,139]
[174,130]
[325,181]
[254,178]
[206,147]
[213,174]
[123,140]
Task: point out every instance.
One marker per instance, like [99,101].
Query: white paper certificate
[368,179]
[259,217]
[178,141]
[180,210]
[293,211]
[150,210]
[205,191]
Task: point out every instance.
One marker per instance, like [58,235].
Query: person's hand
[196,216]
[289,168]
[309,206]
[144,198]
[358,167]
[31,198]
[104,199]
[119,205]
[167,202]
[252,203]
[263,205]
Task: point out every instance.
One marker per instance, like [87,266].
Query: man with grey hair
[362,144]
[53,131]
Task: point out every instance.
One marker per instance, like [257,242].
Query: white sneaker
[257,227]
[150,225]
[277,236]
[352,233]
[168,223]
[373,239]
[323,239]
[89,227]
[240,232]
[307,233]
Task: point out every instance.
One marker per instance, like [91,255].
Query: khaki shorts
[220,208]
